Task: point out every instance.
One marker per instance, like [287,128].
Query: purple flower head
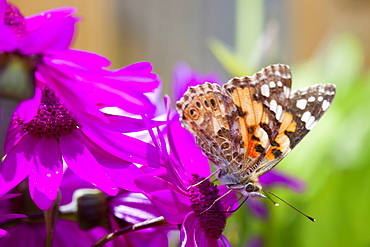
[198,209]
[63,125]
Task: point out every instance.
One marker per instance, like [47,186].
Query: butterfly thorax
[247,186]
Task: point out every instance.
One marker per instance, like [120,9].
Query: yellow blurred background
[165,32]
[333,159]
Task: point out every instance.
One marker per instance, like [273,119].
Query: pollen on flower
[53,119]
[202,196]
[13,17]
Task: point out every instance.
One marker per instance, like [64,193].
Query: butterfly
[248,125]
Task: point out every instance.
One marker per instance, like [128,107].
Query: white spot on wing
[279,112]
[306,115]
[310,122]
[286,91]
[301,104]
[272,84]
[279,84]
[312,99]
[325,105]
[320,98]
[311,126]
[265,90]
[273,105]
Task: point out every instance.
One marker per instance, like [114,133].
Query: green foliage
[333,159]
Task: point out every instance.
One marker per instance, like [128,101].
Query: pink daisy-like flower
[63,125]
[197,210]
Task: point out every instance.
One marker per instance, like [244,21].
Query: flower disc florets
[212,219]
[53,119]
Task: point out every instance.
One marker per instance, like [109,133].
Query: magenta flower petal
[83,163]
[72,94]
[2,233]
[8,40]
[13,136]
[88,59]
[17,164]
[48,37]
[188,152]
[28,108]
[121,172]
[125,124]
[46,175]
[36,21]
[140,75]
[124,147]
[133,207]
[172,205]
[274,178]
[149,184]
[188,229]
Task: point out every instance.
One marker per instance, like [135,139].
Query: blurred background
[322,41]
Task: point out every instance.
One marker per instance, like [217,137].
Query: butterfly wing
[306,106]
[210,115]
[262,101]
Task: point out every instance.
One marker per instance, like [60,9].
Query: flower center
[53,119]
[13,17]
[202,196]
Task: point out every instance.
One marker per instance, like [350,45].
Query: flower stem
[160,221]
[51,217]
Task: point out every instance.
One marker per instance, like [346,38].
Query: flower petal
[188,229]
[149,184]
[46,175]
[17,164]
[27,109]
[133,207]
[8,39]
[55,35]
[37,21]
[121,172]
[188,152]
[274,177]
[80,160]
[172,205]
[124,147]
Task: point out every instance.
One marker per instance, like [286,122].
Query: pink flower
[198,211]
[63,125]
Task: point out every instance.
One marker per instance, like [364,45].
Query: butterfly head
[250,189]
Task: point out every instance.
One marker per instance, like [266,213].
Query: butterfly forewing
[306,107]
[261,101]
[210,115]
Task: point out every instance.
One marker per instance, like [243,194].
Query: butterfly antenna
[308,217]
[232,211]
[268,197]
[216,201]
